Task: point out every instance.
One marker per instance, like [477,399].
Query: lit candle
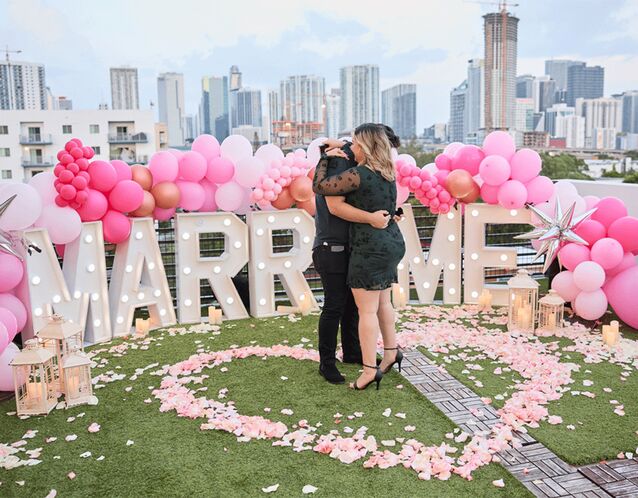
[214,315]
[142,326]
[611,333]
[305,305]
[399,296]
[34,393]
[72,382]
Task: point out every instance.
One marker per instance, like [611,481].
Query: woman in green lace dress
[375,253]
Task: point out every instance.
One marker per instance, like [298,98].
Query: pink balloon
[126,196]
[494,170]
[539,189]
[607,252]
[220,170]
[207,146]
[609,209]
[209,204]
[628,260]
[10,323]
[591,305]
[563,283]
[122,170]
[402,194]
[591,201]
[63,224]
[489,193]
[162,214]
[443,162]
[450,149]
[499,143]
[116,227]
[25,208]
[591,231]
[589,276]
[164,167]
[571,255]
[103,176]
[248,171]
[469,158]
[177,153]
[192,166]
[43,184]
[15,306]
[440,177]
[625,231]
[621,292]
[526,165]
[237,147]
[11,271]
[512,194]
[229,196]
[4,337]
[95,206]
[191,195]
[6,371]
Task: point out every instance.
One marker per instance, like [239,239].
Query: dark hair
[394,140]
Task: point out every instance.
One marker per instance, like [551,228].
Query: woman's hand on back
[336,153]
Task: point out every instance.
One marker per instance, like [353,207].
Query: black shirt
[331,229]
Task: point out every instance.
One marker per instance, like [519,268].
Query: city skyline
[446,38]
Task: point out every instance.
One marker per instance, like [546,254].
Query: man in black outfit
[330,256]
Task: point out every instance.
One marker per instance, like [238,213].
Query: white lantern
[60,336]
[34,381]
[76,369]
[550,311]
[523,298]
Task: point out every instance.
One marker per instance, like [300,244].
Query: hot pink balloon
[469,158]
[591,305]
[10,323]
[6,371]
[443,162]
[209,205]
[621,292]
[539,189]
[563,283]
[494,170]
[11,271]
[15,306]
[526,165]
[512,194]
[95,206]
[499,143]
[608,210]
[122,170]
[192,166]
[207,146]
[162,214]
[591,231]
[607,252]
[116,227]
[625,231]
[220,170]
[628,260]
[25,208]
[489,193]
[589,276]
[164,167]
[571,255]
[229,196]
[177,153]
[126,196]
[191,195]
[103,176]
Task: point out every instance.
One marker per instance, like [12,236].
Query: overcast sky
[427,42]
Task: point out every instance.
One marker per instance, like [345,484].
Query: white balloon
[268,153]
[43,183]
[62,223]
[431,168]
[406,158]
[236,148]
[313,153]
[248,171]
[25,208]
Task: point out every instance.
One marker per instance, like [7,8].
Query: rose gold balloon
[459,183]
[301,189]
[147,207]
[311,173]
[284,200]
[166,195]
[472,196]
[309,206]
[142,175]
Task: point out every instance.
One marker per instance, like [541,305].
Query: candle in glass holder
[287,310]
[142,326]
[485,300]
[399,296]
[304,305]
[214,316]
[611,333]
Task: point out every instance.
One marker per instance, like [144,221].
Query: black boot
[331,374]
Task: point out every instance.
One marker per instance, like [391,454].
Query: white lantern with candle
[76,369]
[523,298]
[33,376]
[550,311]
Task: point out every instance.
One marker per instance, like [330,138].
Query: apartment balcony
[37,162]
[128,138]
[130,161]
[40,139]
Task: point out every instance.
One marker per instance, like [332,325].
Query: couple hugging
[356,251]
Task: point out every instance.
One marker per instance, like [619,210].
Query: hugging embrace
[356,252]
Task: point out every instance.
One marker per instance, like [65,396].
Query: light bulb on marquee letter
[74,291]
[444,256]
[142,253]
[289,266]
[217,270]
[478,256]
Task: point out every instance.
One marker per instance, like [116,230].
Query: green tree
[612,174]
[564,166]
[631,178]
[421,157]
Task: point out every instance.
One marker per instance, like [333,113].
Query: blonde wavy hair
[375,146]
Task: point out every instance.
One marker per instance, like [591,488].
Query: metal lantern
[550,311]
[34,379]
[523,298]
[76,370]
[60,336]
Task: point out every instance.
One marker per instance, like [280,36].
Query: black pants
[338,308]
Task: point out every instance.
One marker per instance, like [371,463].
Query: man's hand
[379,219]
[336,153]
[332,143]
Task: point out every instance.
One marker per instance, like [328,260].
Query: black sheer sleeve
[340,184]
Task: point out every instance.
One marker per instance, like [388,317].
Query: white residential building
[30,140]
[170,97]
[302,98]
[601,138]
[359,96]
[601,113]
[124,88]
[22,86]
[524,114]
[571,127]
[398,109]
[333,113]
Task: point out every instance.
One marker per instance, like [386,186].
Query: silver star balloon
[556,231]
[8,240]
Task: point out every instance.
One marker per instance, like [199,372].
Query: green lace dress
[374,253]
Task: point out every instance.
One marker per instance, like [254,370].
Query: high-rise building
[190,128]
[551,117]
[602,138]
[524,114]
[501,39]
[475,105]
[234,84]
[124,88]
[234,79]
[630,112]
[359,95]
[170,99]
[64,104]
[558,70]
[524,86]
[214,106]
[543,93]
[584,82]
[22,86]
[457,126]
[572,128]
[274,112]
[398,109]
[246,107]
[333,113]
[302,99]
[600,114]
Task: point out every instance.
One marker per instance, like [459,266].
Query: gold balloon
[459,183]
[284,200]
[474,194]
[301,189]
[166,195]
[143,176]
[147,207]
[309,206]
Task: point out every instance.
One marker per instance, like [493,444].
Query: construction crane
[9,77]
[502,4]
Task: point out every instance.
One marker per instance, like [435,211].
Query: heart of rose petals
[271,489]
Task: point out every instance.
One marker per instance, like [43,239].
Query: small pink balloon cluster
[423,183]
[72,176]
[604,272]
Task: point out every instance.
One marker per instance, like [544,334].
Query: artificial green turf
[172,457]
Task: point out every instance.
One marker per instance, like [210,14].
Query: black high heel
[397,359]
[377,378]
